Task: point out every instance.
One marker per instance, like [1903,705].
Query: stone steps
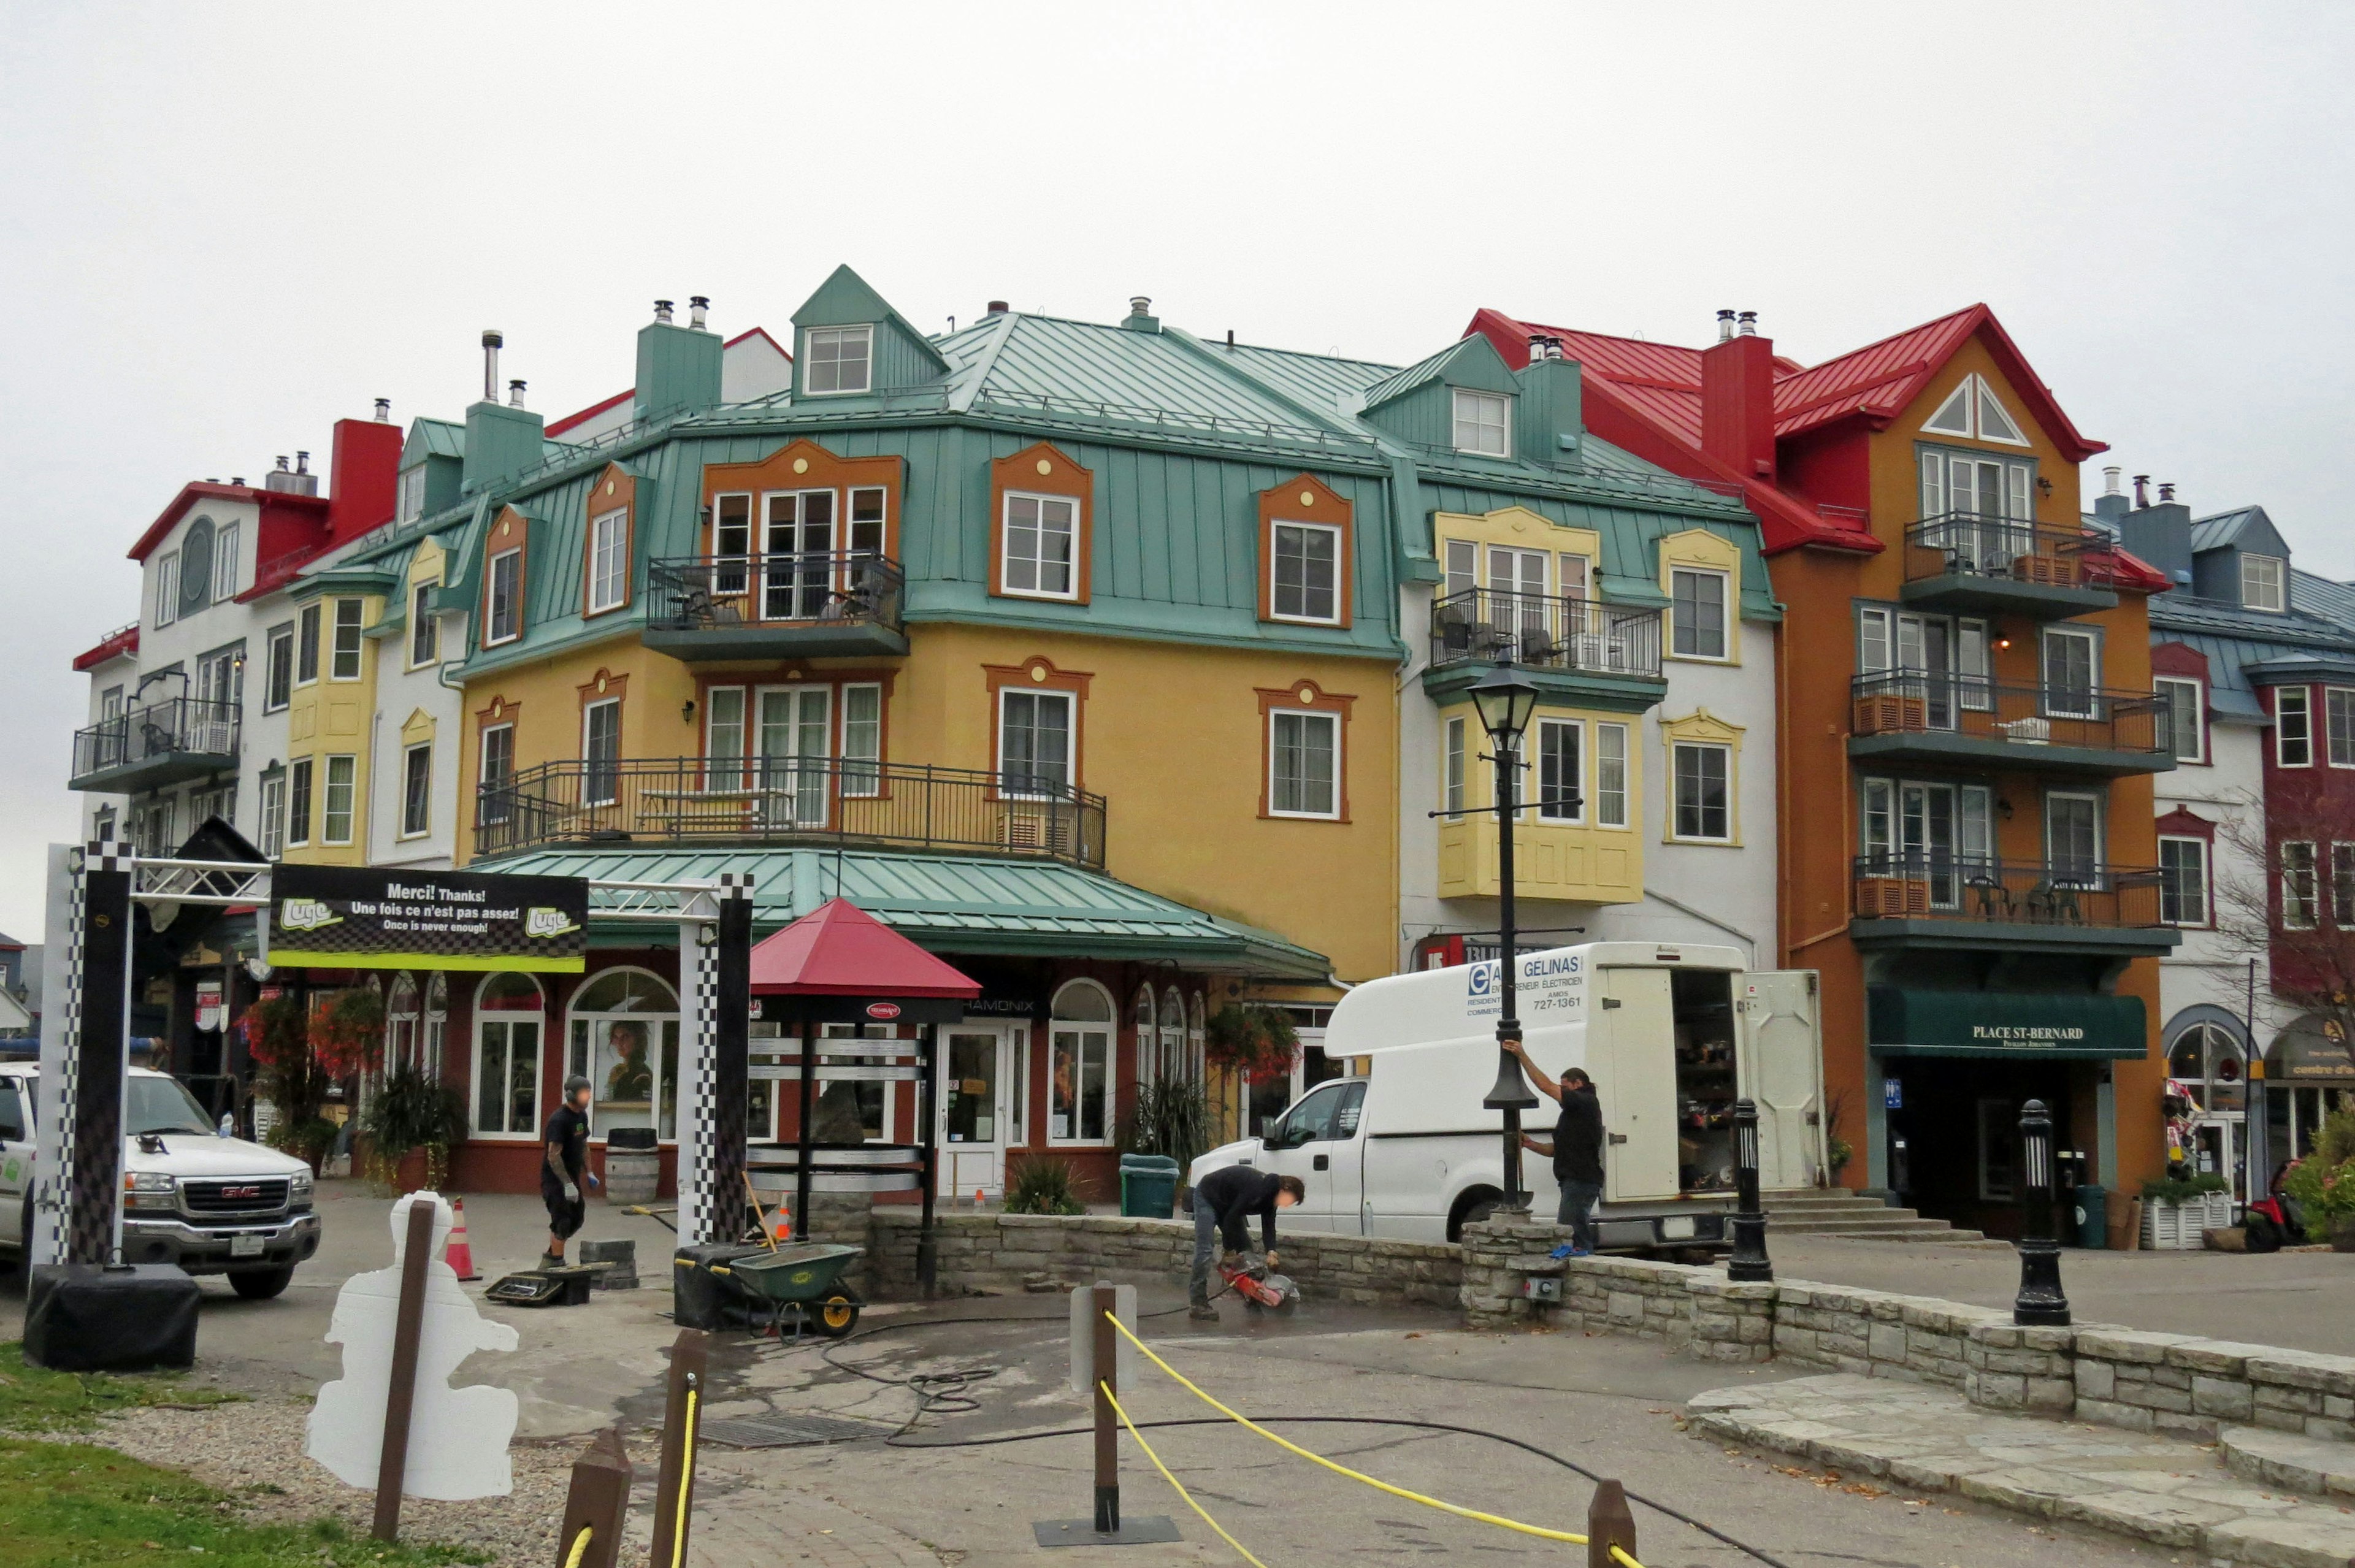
[2319,1466]
[1836,1212]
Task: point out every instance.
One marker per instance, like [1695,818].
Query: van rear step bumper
[1643,1231]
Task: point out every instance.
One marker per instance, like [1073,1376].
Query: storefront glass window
[1079,1105]
[508,1023]
[624,1040]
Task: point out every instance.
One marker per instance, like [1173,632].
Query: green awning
[947,904]
[1903,1021]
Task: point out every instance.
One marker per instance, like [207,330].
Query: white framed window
[2073,672]
[278,669]
[862,739]
[623,1038]
[1610,775]
[601,752]
[1697,613]
[1041,546]
[1977,484]
[335,810]
[1972,410]
[1035,734]
[1577,576]
[510,1019]
[417,790]
[274,816]
[2298,894]
[1483,423]
[1463,568]
[1304,563]
[2183,881]
[505,617]
[1562,772]
[2263,579]
[494,771]
[2339,726]
[2342,885]
[413,494]
[2072,834]
[306,644]
[1304,763]
[2293,727]
[2181,703]
[298,801]
[837,359]
[609,560]
[1452,779]
[437,1021]
[167,588]
[346,664]
[425,627]
[1079,1064]
[732,542]
[110,703]
[723,737]
[1703,805]
[225,563]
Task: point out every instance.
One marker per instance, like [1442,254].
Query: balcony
[1958,901]
[807,604]
[1919,717]
[790,800]
[1573,649]
[162,743]
[1963,563]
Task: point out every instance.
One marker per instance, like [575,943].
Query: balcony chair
[1454,627]
[1994,899]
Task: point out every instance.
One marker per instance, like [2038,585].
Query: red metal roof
[840,950]
[113,647]
[196,489]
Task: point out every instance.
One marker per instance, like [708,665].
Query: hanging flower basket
[1252,1038]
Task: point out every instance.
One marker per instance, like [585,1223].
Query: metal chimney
[302,463]
[1749,325]
[2110,476]
[1536,347]
[515,394]
[384,410]
[1724,326]
[491,341]
[697,306]
[2142,491]
[281,462]
[662,312]
[996,307]
[2166,494]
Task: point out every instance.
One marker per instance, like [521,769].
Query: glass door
[1516,581]
[797,582]
[1926,818]
[974,1115]
[1926,645]
[795,729]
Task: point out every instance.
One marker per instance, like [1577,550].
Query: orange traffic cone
[458,1253]
[976,1197]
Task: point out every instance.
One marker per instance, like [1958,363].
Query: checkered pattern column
[731,1048]
[53,1120]
[90,1103]
[699,980]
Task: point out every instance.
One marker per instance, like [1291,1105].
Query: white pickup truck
[208,1203]
[1672,1034]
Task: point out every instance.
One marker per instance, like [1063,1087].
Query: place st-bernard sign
[375,917]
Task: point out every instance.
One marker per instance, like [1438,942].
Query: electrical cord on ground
[1179,1487]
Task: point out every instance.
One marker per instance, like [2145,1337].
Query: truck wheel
[1472,1208]
[261,1283]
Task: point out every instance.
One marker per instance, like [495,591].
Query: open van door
[1631,1046]
[1782,1071]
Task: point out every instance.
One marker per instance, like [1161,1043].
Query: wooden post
[598,1503]
[682,1417]
[801,1177]
[928,1154]
[1609,1524]
[1106,1301]
[400,1393]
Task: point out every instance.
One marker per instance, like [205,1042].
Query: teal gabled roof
[1473,362]
[433,437]
[846,299]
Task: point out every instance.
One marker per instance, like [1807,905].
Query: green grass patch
[72,1504]
[35,1398]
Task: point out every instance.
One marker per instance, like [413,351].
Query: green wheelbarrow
[805,1281]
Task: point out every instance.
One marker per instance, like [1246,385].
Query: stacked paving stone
[2194,1388]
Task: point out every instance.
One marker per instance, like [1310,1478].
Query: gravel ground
[258,1444]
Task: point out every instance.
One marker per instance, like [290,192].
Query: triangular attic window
[1994,423]
[1954,415]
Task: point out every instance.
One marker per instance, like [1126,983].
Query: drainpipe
[1683,908]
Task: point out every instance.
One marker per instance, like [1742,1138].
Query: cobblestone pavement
[2172,1493]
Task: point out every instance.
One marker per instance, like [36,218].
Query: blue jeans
[1578,1201]
[1206,1247]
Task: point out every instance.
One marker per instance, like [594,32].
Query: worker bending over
[1224,1202]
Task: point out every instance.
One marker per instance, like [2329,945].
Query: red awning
[840,950]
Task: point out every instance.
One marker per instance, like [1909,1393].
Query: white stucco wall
[2208,968]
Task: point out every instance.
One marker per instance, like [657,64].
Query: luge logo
[306,914]
[541,920]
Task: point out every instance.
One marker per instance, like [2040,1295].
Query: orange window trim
[804,465]
[616,489]
[1304,499]
[1303,696]
[1043,469]
[751,683]
[512,532]
[1038,673]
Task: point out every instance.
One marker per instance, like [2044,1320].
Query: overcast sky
[226,226]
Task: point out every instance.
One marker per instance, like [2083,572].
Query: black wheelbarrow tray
[804,1280]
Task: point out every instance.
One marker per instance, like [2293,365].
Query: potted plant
[410,1114]
[2177,1208]
[302,1049]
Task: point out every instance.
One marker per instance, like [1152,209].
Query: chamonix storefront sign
[366,917]
[1901,1021]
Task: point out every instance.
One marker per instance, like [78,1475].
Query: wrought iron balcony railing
[2008,549]
[790,800]
[2061,894]
[1545,631]
[179,736]
[718,592]
[1931,704]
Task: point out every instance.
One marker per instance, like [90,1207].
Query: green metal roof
[951,903]
[433,437]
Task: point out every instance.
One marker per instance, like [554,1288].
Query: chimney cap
[696,305]
[2166,491]
[383,411]
[1724,326]
[997,307]
[1140,304]
[281,462]
[1747,325]
[301,462]
[491,338]
[662,310]
[515,394]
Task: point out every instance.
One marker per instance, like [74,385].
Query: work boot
[1202,1312]
[552,1260]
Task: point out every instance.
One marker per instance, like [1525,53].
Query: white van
[1672,1035]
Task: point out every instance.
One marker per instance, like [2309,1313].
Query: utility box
[1542,1288]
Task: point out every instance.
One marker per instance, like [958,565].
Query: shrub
[1171,1117]
[2182,1189]
[2324,1181]
[411,1111]
[1044,1187]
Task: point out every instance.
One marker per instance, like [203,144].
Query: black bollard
[2040,1302]
[1748,1264]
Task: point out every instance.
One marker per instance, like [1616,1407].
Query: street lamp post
[2039,1301]
[1506,702]
[1749,1262]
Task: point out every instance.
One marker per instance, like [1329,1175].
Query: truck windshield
[161,1105]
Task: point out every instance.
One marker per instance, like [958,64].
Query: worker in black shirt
[1224,1202]
[565,1169]
[1576,1148]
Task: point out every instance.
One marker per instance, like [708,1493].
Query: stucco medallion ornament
[1045,466]
[1307,497]
[800,464]
[1306,695]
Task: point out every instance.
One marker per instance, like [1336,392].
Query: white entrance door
[973,1093]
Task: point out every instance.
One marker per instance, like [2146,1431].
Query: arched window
[1080,1060]
[2205,1059]
[1173,1035]
[401,1036]
[624,1040]
[510,1017]
[1197,1040]
[437,1019]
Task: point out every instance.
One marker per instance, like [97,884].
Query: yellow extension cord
[1241,1549]
[580,1545]
[686,1484]
[1461,1512]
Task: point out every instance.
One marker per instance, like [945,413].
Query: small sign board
[373,917]
[1892,1094]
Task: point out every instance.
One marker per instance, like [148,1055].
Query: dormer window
[837,359]
[413,494]
[1483,423]
[1973,411]
[2262,579]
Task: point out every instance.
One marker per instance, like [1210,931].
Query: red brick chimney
[364,474]
[1737,400]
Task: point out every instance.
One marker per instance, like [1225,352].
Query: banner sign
[376,917]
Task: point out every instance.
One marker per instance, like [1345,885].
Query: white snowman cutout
[457,1436]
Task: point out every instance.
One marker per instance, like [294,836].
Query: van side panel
[1632,1045]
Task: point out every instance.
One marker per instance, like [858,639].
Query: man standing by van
[1576,1148]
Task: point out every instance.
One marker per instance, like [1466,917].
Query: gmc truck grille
[259,1196]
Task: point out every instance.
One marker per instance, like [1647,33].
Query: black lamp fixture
[687,712]
[1749,1262]
[2040,1301]
[1506,702]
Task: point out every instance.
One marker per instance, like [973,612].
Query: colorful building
[1968,736]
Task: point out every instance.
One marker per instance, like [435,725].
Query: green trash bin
[2090,1213]
[1148,1186]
